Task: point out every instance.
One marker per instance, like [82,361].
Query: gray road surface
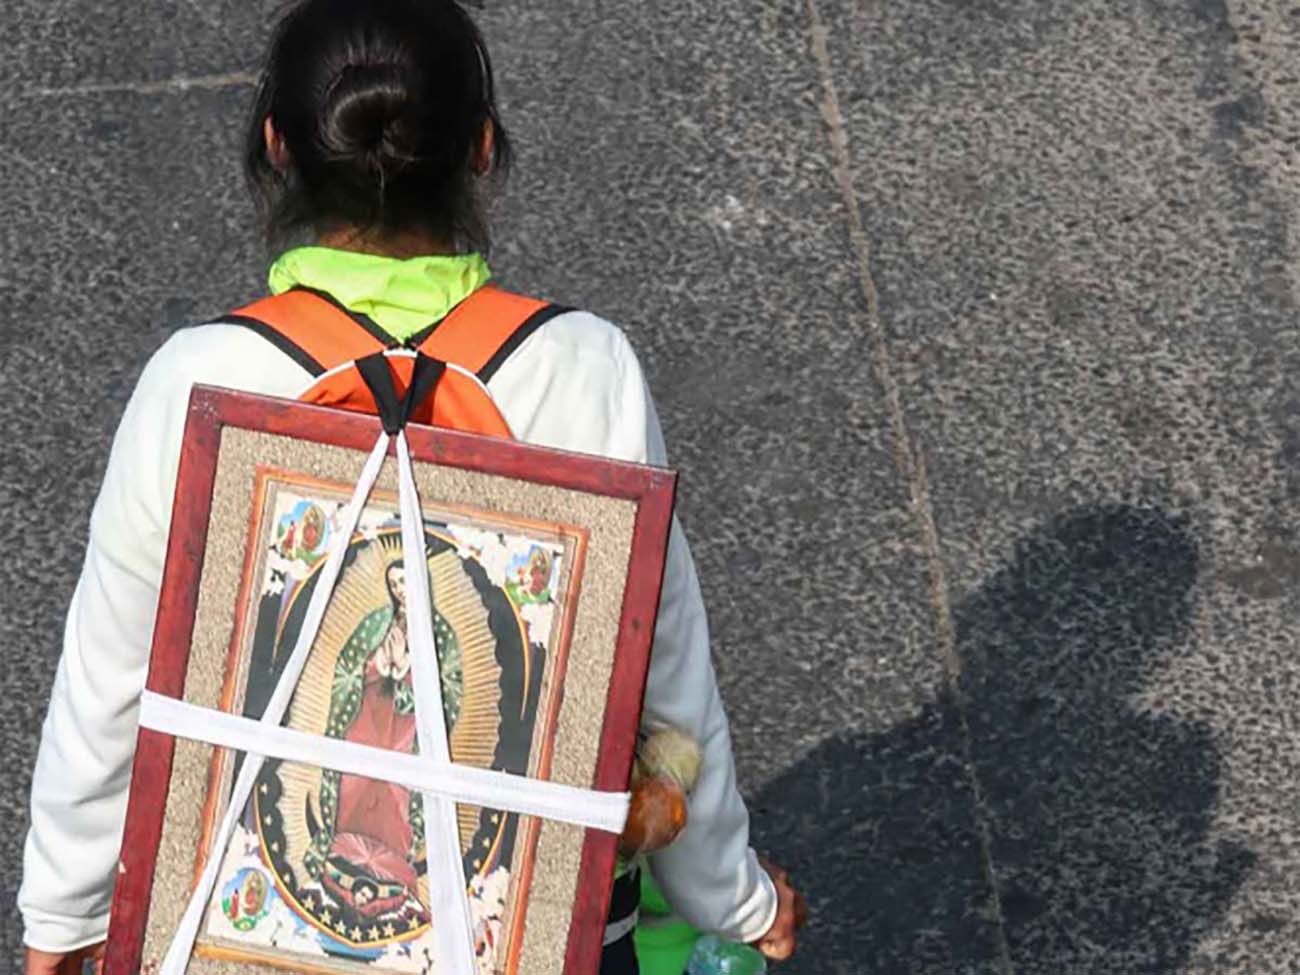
[972,324]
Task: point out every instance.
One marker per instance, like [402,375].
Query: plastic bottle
[715,957]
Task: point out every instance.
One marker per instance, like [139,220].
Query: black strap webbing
[394,414]
[518,338]
[304,359]
[626,896]
[282,342]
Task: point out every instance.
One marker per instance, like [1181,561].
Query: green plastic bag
[664,945]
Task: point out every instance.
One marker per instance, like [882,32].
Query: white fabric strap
[453,926]
[178,954]
[487,788]
[620,929]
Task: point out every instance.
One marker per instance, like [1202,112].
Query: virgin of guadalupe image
[366,849]
[349,851]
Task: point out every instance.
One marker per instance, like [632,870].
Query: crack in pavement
[165,86]
[908,458]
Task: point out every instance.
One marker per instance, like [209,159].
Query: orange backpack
[348,355]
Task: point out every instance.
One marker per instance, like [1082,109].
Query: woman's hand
[791,915]
[65,963]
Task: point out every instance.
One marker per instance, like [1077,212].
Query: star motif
[389,930]
[356,934]
[327,916]
[372,934]
[340,927]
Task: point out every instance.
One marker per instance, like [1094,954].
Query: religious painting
[532,566]
[327,866]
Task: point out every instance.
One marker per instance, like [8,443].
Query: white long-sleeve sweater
[575,385]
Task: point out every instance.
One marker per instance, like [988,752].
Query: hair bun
[363,113]
[382,109]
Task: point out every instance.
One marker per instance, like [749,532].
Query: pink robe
[372,828]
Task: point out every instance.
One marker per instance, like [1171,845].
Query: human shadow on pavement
[1098,806]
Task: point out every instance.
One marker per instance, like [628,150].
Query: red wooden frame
[211,410]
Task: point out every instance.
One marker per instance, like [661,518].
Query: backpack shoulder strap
[485,329]
[311,329]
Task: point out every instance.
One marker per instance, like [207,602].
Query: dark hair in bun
[382,106]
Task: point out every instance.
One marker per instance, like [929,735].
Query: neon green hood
[401,296]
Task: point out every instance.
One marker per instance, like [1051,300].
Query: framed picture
[545,570]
